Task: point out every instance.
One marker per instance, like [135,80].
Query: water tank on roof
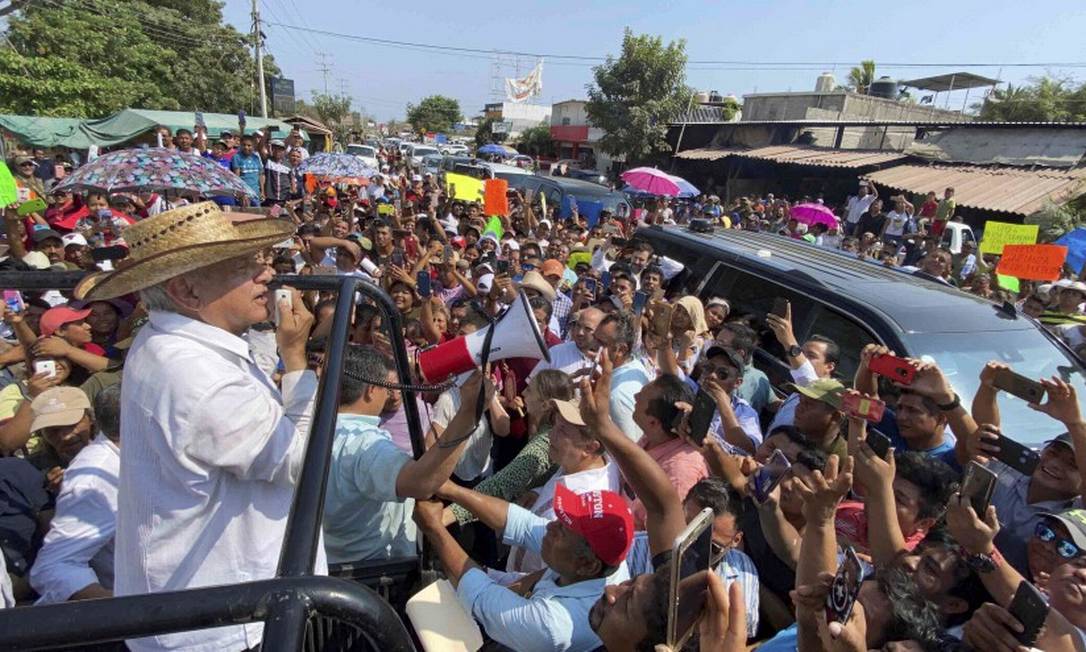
[702,97]
[715,97]
[884,87]
[826,83]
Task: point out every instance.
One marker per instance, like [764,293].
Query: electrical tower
[324,68]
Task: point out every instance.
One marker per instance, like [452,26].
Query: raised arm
[985,407]
[876,475]
[1063,406]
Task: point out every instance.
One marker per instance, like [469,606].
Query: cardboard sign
[386,209]
[998,234]
[8,192]
[495,201]
[467,188]
[1032,262]
[1008,283]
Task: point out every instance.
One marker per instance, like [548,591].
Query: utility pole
[257,38]
[324,69]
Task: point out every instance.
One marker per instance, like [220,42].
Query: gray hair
[156,298]
[107,411]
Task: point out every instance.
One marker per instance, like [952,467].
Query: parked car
[366,153]
[955,234]
[591,176]
[431,163]
[453,149]
[558,190]
[415,153]
[855,302]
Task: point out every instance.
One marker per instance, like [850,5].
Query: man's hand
[53,479]
[984,442]
[993,629]
[976,536]
[713,387]
[822,492]
[989,371]
[507,293]
[871,470]
[870,351]
[596,398]
[295,322]
[38,383]
[428,515]
[478,381]
[850,636]
[782,327]
[1062,404]
[724,626]
[930,382]
[51,347]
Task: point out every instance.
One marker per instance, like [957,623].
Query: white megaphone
[516,335]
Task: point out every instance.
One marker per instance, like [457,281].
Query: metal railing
[286,603]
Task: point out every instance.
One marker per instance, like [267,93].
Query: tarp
[121,127]
[1075,241]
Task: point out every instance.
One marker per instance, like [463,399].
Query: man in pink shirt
[656,414]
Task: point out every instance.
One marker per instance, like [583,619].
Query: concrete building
[574,136]
[517,116]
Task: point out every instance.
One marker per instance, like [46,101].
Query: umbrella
[686,189]
[656,182]
[338,166]
[811,214]
[500,150]
[154,168]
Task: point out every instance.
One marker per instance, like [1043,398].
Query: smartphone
[879,443]
[199,119]
[589,282]
[605,278]
[780,307]
[701,417]
[47,367]
[1027,389]
[446,254]
[280,295]
[769,475]
[690,567]
[397,258]
[422,281]
[978,483]
[845,588]
[661,318]
[36,205]
[871,409]
[241,117]
[1018,457]
[1030,608]
[896,369]
[639,301]
[14,301]
[116,252]
[502,266]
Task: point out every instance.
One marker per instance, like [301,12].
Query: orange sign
[1041,262]
[495,202]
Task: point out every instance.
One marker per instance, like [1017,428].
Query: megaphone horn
[516,335]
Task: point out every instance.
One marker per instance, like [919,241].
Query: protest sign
[495,201]
[1008,282]
[494,226]
[467,188]
[386,209]
[998,234]
[1032,262]
[8,193]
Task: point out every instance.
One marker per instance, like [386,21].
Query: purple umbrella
[811,214]
[656,182]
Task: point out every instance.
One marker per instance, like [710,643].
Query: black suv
[855,302]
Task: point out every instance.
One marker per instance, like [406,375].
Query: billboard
[282,96]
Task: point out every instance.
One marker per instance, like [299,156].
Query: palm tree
[860,77]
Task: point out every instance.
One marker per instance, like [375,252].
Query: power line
[324,69]
[758,65]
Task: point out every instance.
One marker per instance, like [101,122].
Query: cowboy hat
[178,241]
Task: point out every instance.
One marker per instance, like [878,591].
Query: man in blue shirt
[584,551]
[365,513]
[247,165]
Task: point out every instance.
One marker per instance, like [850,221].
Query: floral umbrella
[155,168]
[337,167]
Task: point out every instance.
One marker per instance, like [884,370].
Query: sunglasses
[1064,547]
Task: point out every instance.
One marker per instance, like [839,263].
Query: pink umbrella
[811,214]
[655,182]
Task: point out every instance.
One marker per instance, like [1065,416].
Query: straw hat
[178,241]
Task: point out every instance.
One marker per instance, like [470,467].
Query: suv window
[849,336]
[696,267]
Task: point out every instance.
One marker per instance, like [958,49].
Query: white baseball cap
[74,239]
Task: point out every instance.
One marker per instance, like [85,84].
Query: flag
[520,90]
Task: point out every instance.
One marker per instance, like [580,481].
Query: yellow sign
[997,234]
[467,188]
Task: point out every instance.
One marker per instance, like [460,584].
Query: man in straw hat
[212,448]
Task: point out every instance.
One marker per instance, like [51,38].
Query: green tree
[537,141]
[435,113]
[484,133]
[1046,99]
[90,58]
[635,96]
[860,77]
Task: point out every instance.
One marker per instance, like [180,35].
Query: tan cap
[58,406]
[569,410]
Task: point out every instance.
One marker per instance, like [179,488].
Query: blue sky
[382,79]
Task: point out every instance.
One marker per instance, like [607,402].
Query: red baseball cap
[54,318]
[602,517]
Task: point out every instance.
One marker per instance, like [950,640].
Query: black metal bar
[40,280]
[97,621]
[284,628]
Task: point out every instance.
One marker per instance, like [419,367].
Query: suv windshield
[362,150]
[961,356]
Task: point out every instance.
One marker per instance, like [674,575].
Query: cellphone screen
[766,478]
[845,588]
[701,417]
[589,284]
[639,300]
[689,578]
[978,484]
[423,283]
[14,301]
[605,278]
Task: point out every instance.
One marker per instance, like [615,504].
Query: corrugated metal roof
[964,123]
[798,155]
[1003,189]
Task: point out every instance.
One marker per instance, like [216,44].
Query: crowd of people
[554,511]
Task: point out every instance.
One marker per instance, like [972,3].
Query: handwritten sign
[467,188]
[495,201]
[998,234]
[386,209]
[1032,262]
[8,193]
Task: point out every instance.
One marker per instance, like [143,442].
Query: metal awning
[1004,189]
[798,155]
[954,81]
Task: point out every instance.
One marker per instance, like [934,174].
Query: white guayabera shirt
[210,458]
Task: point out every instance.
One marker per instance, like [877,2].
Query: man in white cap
[77,251]
[212,449]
